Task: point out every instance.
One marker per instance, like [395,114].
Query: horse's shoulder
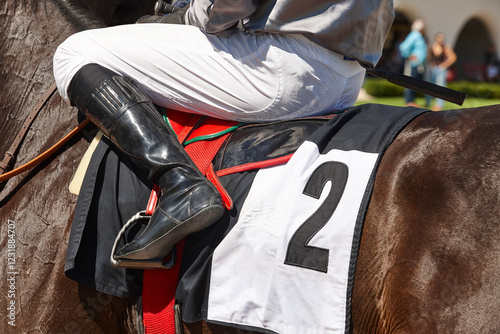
[433,219]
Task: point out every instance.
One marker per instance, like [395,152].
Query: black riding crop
[420,86]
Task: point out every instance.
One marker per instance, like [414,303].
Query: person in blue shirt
[414,50]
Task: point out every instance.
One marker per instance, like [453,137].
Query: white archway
[471,45]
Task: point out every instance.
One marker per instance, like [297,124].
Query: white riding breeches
[242,77]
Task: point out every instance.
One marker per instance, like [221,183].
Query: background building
[472,28]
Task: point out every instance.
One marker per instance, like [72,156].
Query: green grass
[399,101]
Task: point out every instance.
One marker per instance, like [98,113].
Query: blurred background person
[414,50]
[440,57]
[491,64]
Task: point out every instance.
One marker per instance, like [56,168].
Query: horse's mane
[78,15]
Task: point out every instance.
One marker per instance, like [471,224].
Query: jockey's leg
[244,77]
[189,202]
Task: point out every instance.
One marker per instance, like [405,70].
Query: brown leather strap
[10,154]
[46,154]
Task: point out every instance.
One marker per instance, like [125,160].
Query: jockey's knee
[68,59]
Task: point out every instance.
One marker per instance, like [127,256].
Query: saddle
[288,194]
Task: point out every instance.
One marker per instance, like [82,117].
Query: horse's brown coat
[430,254]
[38,202]
[430,251]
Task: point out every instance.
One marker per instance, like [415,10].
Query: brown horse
[36,207]
[429,259]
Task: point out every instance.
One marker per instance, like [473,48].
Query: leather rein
[11,153]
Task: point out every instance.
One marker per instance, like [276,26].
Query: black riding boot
[189,202]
